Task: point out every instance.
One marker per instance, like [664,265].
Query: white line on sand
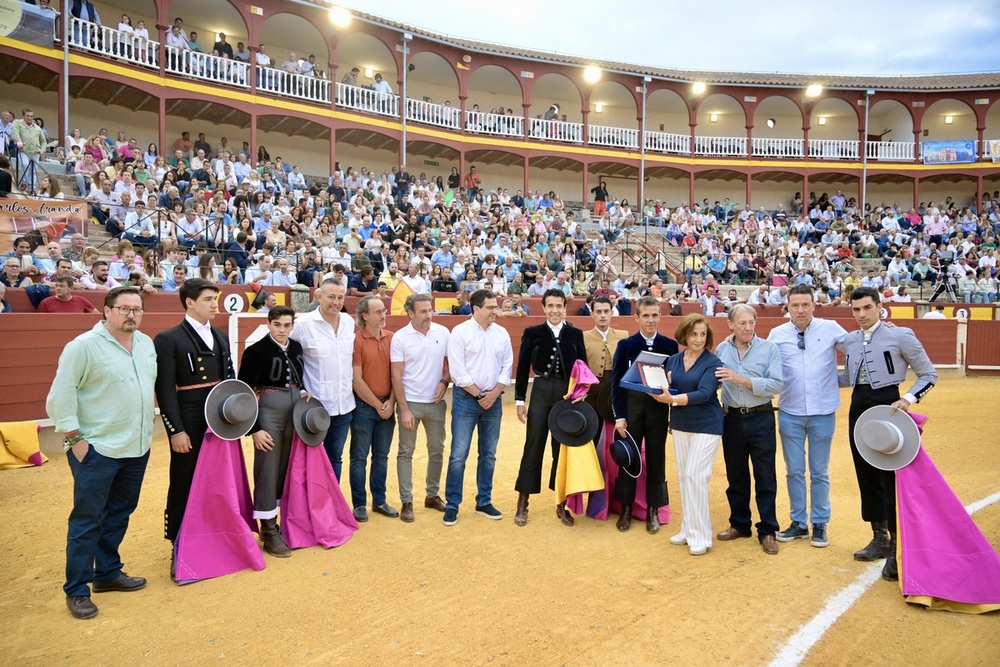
[798,645]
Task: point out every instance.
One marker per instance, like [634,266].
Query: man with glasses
[110,370]
[807,409]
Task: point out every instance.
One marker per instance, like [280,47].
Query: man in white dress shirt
[327,338]
[807,408]
[480,359]
[419,367]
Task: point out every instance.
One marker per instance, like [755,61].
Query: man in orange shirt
[472,183]
[374,420]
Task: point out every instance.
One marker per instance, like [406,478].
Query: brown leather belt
[198,386]
[746,411]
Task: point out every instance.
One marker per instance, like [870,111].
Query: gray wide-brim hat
[231,409]
[311,421]
[887,440]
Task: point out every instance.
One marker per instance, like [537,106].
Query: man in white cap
[875,361]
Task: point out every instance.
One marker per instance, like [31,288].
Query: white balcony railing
[986,150]
[890,150]
[618,137]
[665,142]
[206,67]
[113,43]
[556,130]
[777,147]
[428,113]
[367,100]
[730,146]
[834,149]
[288,84]
[480,122]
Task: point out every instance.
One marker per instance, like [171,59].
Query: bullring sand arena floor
[484,592]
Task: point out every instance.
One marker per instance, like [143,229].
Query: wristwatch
[674,402]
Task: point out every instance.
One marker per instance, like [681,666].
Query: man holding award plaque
[637,413]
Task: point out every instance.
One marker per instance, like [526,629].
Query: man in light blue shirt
[102,401]
[810,397]
[750,379]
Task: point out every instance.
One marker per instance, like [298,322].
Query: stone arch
[368,53]
[963,116]
[786,114]
[287,31]
[731,118]
[432,76]
[667,111]
[839,120]
[891,120]
[224,17]
[618,105]
[492,85]
[559,89]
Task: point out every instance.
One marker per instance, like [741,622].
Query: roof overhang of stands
[951,82]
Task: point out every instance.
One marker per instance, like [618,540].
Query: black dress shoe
[81,607]
[890,571]
[624,518]
[122,582]
[385,509]
[652,521]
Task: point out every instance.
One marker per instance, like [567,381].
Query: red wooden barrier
[31,344]
[982,352]
[233,299]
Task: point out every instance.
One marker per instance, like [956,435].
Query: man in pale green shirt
[102,400]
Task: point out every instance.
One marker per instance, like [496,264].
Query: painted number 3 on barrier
[234,303]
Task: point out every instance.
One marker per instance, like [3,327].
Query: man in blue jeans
[374,419]
[810,397]
[327,338]
[102,401]
[480,359]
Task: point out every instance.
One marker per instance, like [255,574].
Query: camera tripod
[944,284]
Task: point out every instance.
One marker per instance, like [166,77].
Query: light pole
[864,153]
[642,159]
[65,18]
[406,51]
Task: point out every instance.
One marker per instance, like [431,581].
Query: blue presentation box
[633,377]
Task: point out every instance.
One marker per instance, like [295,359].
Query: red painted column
[253,136]
[690,187]
[162,129]
[333,149]
[527,175]
[916,191]
[586,186]
[805,191]
[748,199]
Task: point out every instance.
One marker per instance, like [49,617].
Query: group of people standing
[366,378]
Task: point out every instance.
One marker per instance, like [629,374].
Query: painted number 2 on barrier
[234,303]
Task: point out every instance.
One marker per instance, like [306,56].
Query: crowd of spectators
[231,214]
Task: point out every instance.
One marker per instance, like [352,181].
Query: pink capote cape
[578,469]
[216,537]
[945,562]
[313,508]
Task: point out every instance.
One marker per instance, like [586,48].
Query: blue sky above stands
[882,37]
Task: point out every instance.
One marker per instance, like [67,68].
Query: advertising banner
[948,152]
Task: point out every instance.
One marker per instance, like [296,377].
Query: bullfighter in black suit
[642,416]
[191,358]
[550,350]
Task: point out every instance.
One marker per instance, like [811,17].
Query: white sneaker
[679,538]
[698,551]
